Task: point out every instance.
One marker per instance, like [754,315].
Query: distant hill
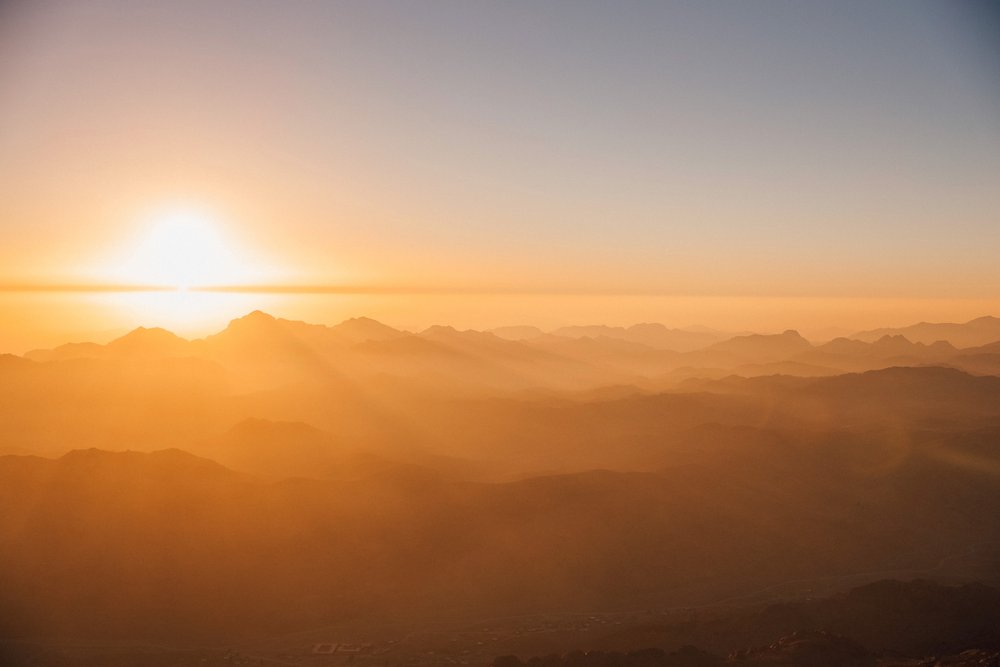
[256,331]
[760,348]
[260,351]
[912,392]
[848,354]
[214,553]
[281,475]
[979,331]
[143,342]
[362,329]
[888,346]
[68,351]
[138,343]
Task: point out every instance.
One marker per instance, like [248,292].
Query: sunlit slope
[171,546]
[288,475]
[191,403]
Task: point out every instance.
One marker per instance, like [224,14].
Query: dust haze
[548,333]
[282,492]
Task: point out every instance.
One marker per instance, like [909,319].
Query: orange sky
[731,166]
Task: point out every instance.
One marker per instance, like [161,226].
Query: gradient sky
[751,149]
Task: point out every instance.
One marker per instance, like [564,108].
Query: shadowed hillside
[280,475]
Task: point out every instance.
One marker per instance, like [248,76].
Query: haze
[500,334]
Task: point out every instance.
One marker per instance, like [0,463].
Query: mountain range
[279,476]
[263,350]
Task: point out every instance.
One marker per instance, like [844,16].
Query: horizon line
[111,288]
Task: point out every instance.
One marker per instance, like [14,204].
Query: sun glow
[185,249]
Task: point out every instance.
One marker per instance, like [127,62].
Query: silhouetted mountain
[171,528]
[361,329]
[989,348]
[137,344]
[259,336]
[979,331]
[255,335]
[913,393]
[261,351]
[144,342]
[950,391]
[68,351]
[479,343]
[888,346]
[10,362]
[456,474]
[798,368]
[759,348]
[847,354]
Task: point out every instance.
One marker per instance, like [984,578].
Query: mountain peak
[764,347]
[361,329]
[440,329]
[146,334]
[171,461]
[897,339]
[152,341]
[980,331]
[256,316]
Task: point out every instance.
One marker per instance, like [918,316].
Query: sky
[733,152]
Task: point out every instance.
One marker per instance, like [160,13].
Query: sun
[177,267]
[184,249]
